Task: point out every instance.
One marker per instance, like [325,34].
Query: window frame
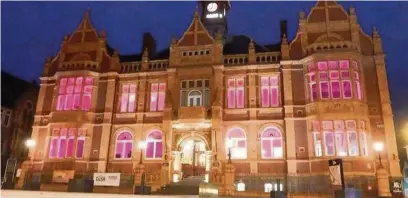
[124,146]
[155,142]
[271,142]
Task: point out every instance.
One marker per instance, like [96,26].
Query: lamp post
[379,147]
[142,146]
[383,185]
[229,146]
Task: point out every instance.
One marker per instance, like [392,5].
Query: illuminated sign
[214,15]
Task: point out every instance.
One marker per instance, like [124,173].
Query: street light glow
[142,145]
[229,143]
[378,146]
[30,143]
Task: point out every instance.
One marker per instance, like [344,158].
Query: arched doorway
[192,158]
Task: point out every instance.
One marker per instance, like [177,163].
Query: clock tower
[214,16]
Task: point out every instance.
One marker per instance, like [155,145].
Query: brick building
[284,108]
[18,99]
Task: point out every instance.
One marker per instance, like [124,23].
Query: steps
[188,186]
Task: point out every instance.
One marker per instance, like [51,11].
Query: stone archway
[191,158]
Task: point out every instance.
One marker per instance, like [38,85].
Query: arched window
[239,147]
[271,143]
[154,146]
[124,145]
[194,98]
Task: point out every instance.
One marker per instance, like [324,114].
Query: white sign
[18,173]
[106,179]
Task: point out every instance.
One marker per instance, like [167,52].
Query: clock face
[211,7]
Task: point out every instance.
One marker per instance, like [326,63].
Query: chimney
[283,28]
[149,43]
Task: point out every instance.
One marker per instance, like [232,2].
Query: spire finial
[301,14]
[375,33]
[284,39]
[352,10]
[102,33]
[196,13]
[251,44]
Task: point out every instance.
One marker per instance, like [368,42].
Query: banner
[62,176]
[106,179]
[336,172]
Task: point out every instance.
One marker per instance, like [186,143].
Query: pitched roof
[196,34]
[85,31]
[12,88]
[239,45]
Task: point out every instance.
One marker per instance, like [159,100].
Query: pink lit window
[347,93]
[345,74]
[62,143]
[334,75]
[269,91]
[344,64]
[341,143]
[322,65]
[154,146]
[353,143]
[333,65]
[157,96]
[313,91]
[128,98]
[316,125]
[238,138]
[324,90]
[80,147]
[335,89]
[70,146]
[271,143]
[236,93]
[53,147]
[312,67]
[355,65]
[329,143]
[124,145]
[74,92]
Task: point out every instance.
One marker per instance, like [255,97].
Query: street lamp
[229,146]
[141,145]
[379,147]
[30,143]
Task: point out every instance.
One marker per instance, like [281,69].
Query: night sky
[32,31]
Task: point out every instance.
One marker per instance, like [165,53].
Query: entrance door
[193,158]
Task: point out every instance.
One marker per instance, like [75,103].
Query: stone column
[289,121]
[383,185]
[229,179]
[139,170]
[164,175]
[176,173]
[387,115]
[252,96]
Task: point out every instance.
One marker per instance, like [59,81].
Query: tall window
[157,96]
[195,93]
[271,143]
[124,145]
[5,117]
[154,147]
[317,144]
[363,142]
[236,93]
[329,143]
[239,148]
[344,141]
[75,93]
[128,98]
[62,143]
[269,91]
[334,80]
[194,98]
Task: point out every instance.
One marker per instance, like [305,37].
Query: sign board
[62,176]
[18,173]
[405,180]
[396,186]
[106,179]
[336,172]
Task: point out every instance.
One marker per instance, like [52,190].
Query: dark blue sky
[31,31]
